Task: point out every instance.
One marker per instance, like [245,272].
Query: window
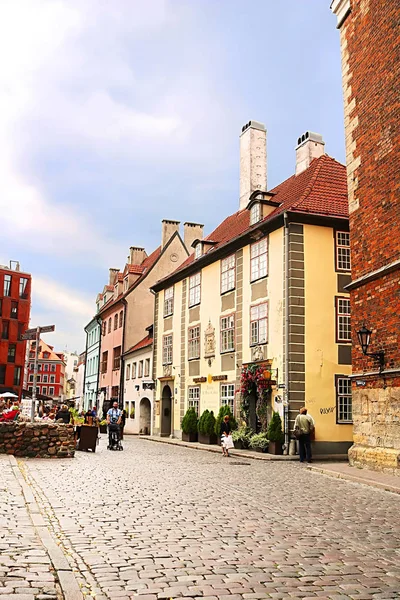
[194,398]
[51,391]
[38,378]
[147,367]
[197,250]
[2,374]
[5,330]
[109,325]
[30,389]
[140,374]
[14,310]
[52,379]
[227,333]
[194,289]
[104,361]
[7,285]
[117,357]
[46,355]
[128,372]
[228,395]
[23,284]
[17,375]
[45,378]
[39,367]
[31,366]
[343,322]
[258,324]
[258,260]
[255,213]
[194,342]
[115,322]
[11,353]
[134,370]
[121,317]
[343,262]
[30,378]
[104,328]
[344,405]
[21,331]
[169,302]
[53,368]
[46,366]
[228,274]
[167,349]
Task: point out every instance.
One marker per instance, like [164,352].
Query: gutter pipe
[287,322]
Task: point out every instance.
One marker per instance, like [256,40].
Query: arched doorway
[145,416]
[166,408]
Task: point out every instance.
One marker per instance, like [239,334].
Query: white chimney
[168,228]
[136,255]
[112,276]
[191,232]
[309,146]
[253,160]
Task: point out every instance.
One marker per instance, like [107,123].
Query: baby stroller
[114,437]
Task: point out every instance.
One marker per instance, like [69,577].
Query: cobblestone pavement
[158,522]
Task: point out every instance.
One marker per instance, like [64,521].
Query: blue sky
[116,115]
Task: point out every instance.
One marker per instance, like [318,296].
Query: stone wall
[37,440]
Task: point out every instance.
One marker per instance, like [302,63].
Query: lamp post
[364,338]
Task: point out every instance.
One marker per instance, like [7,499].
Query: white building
[71,360]
[139,386]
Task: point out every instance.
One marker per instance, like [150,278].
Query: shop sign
[219,377]
[200,379]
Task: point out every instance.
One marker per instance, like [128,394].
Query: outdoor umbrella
[8,395]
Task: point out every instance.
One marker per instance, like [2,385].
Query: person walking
[225,431]
[303,428]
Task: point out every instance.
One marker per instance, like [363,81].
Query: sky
[116,115]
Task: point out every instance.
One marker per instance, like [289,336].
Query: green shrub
[189,421]
[243,434]
[225,410]
[259,440]
[206,423]
[274,432]
[200,424]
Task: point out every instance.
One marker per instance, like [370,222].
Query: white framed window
[343,260]
[44,389]
[46,366]
[38,379]
[52,379]
[45,379]
[255,213]
[258,324]
[51,391]
[128,372]
[258,259]
[194,342]
[140,373]
[147,367]
[30,378]
[169,301]
[343,320]
[167,349]
[228,333]
[194,289]
[228,395]
[344,406]
[31,366]
[194,398]
[53,368]
[228,267]
[197,250]
[30,389]
[134,370]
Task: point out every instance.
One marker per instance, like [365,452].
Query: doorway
[166,408]
[145,416]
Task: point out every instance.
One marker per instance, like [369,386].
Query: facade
[51,372]
[369,36]
[80,378]
[90,383]
[71,363]
[139,386]
[264,289]
[15,306]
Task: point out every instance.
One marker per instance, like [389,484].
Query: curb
[64,574]
[348,477]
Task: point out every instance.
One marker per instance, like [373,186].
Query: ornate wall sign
[158,408]
[167,370]
[257,353]
[174,257]
[209,341]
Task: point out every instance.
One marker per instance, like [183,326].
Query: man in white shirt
[305,425]
[114,417]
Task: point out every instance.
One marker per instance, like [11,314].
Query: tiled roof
[136,269]
[120,277]
[58,356]
[144,343]
[321,190]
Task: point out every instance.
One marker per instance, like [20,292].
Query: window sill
[259,279]
[343,342]
[258,344]
[228,291]
[167,316]
[344,422]
[194,305]
[193,358]
[228,351]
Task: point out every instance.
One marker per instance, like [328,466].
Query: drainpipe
[84,370]
[286,395]
[99,322]
[121,374]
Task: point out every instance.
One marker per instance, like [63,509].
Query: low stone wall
[37,440]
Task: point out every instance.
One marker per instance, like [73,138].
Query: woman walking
[225,432]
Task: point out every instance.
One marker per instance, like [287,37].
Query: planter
[238,445]
[275,448]
[189,437]
[103,428]
[207,439]
[261,449]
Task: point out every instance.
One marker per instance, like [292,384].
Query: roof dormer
[201,247]
[261,205]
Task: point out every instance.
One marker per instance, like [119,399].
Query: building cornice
[385,270]
[341,8]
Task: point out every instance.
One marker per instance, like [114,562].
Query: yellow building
[265,288]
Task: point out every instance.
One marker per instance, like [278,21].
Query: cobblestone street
[157,521]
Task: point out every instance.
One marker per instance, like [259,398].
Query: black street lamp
[364,338]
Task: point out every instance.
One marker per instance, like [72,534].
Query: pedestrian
[225,431]
[63,414]
[303,428]
[123,421]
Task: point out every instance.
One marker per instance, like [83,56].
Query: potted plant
[206,428]
[259,442]
[275,434]
[241,437]
[224,410]
[189,426]
[103,426]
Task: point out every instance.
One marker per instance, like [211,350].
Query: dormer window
[197,250]
[255,213]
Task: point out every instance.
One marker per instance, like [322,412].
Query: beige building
[139,386]
[264,289]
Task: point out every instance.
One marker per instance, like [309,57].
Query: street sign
[47,328]
[30,334]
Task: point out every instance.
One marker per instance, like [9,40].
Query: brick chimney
[136,255]
[191,232]
[168,228]
[309,146]
[113,273]
[253,160]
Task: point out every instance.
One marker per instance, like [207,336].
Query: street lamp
[364,338]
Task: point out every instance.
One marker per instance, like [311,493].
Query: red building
[51,371]
[15,307]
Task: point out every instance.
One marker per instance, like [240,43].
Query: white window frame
[52,378]
[46,366]
[134,370]
[30,378]
[227,395]
[227,330]
[194,342]
[255,213]
[344,402]
[198,250]
[167,349]
[194,289]
[259,260]
[53,368]
[343,319]
[128,372]
[147,367]
[169,301]
[51,391]
[194,398]
[140,370]
[45,379]
[259,324]
[228,273]
[343,258]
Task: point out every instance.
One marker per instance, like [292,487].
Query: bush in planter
[275,434]
[259,441]
[241,437]
[224,410]
[206,428]
[189,426]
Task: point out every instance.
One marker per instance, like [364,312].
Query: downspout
[121,375]
[286,401]
[99,322]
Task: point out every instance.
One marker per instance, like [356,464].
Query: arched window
[109,325]
[121,316]
[115,321]
[104,328]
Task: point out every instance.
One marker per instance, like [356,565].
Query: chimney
[253,160]
[309,146]
[113,275]
[191,232]
[168,228]
[136,255]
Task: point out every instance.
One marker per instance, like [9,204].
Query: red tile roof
[144,343]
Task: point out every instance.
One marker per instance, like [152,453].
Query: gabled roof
[144,343]
[56,356]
